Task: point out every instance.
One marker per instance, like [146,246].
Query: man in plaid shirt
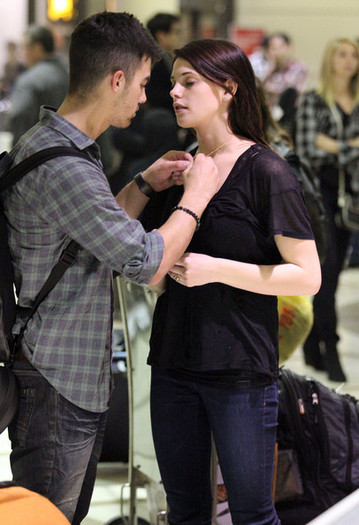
[285,79]
[63,369]
[284,71]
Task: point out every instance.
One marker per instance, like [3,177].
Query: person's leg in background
[311,349]
[324,334]
[182,441]
[244,425]
[353,252]
[52,444]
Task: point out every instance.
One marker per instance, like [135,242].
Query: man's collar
[50,118]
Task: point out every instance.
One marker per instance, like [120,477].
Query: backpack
[8,177]
[318,451]
[318,447]
[312,197]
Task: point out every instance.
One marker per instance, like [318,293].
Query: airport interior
[128,488]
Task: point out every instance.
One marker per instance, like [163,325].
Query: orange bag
[19,506]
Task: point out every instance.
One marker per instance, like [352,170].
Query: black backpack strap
[13,175]
[67,257]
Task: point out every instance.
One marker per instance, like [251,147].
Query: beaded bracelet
[143,185]
[190,212]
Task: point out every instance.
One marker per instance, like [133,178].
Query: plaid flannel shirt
[294,75]
[69,338]
[314,116]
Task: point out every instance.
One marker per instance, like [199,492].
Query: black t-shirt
[216,327]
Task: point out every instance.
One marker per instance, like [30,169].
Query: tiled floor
[105,503]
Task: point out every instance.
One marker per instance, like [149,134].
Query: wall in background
[13,17]
[144,10]
[310,23]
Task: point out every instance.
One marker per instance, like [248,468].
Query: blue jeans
[243,422]
[55,445]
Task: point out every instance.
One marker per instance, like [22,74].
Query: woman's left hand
[298,274]
[193,269]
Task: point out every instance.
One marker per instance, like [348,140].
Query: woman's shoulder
[269,168]
[266,157]
[312,98]
[311,94]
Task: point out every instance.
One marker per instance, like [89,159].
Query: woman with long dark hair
[214,343]
[327,138]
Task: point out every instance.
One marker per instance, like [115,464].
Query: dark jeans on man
[55,444]
[243,423]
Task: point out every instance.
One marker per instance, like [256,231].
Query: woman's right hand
[201,179]
[326,143]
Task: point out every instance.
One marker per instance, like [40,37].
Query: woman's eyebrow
[181,75]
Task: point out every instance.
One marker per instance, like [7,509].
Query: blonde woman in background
[327,136]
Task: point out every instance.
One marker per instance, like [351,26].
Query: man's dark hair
[41,35]
[286,38]
[161,22]
[265,42]
[104,43]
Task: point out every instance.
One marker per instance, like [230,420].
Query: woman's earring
[226,96]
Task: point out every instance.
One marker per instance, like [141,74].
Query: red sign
[248,39]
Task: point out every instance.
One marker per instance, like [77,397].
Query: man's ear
[118,80]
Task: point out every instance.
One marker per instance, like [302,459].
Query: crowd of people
[220,219]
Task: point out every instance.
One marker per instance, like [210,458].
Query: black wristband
[190,212]
[143,185]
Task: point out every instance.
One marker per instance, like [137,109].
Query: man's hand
[167,170]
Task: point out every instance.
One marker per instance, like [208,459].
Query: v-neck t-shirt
[217,328]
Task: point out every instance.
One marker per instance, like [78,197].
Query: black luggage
[318,442]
